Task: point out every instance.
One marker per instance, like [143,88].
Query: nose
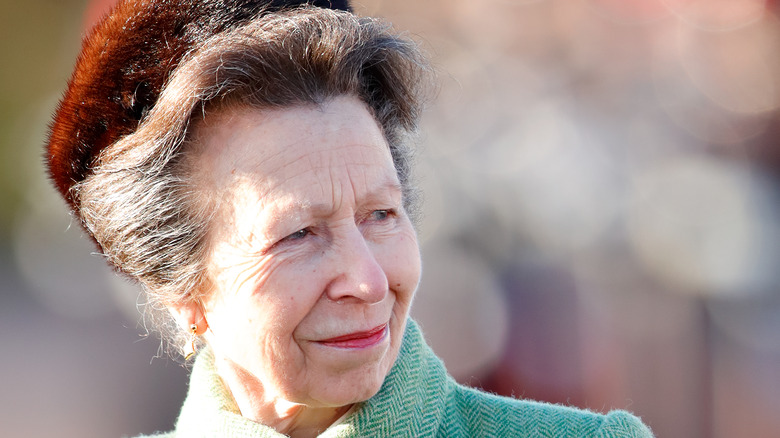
[359,275]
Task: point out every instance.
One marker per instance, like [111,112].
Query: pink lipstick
[358,340]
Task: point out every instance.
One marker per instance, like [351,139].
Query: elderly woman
[248,164]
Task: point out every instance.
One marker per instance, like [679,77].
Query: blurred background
[602,228]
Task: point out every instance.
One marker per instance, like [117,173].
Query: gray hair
[141,203]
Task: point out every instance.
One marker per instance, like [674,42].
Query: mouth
[358,340]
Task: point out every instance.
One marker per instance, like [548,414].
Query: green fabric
[418,399]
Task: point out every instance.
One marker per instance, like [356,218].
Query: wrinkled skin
[311,243]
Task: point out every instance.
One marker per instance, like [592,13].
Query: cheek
[297,287]
[401,261]
[254,312]
[288,298]
[258,335]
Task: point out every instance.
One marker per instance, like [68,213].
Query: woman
[248,164]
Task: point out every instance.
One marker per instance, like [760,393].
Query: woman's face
[314,262]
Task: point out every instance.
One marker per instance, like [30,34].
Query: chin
[353,397]
[356,386]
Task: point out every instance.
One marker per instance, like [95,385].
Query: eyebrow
[323,209]
[296,207]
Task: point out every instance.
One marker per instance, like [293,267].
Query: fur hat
[124,63]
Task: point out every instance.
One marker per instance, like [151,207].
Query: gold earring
[193,336]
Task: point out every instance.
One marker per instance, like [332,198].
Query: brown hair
[140,202]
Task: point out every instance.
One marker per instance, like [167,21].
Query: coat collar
[412,399]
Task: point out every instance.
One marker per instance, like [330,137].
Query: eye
[298,235]
[380,215]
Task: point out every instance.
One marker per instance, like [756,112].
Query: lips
[356,340]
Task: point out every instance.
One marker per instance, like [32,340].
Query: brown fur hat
[124,63]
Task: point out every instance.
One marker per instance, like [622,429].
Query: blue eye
[300,234]
[380,215]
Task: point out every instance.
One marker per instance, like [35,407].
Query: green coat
[418,399]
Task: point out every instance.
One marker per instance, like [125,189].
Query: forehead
[291,151]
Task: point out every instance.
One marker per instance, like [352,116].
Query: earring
[193,336]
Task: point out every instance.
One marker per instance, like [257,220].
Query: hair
[141,203]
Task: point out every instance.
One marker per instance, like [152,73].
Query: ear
[188,313]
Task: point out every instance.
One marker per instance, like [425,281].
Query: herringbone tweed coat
[417,399]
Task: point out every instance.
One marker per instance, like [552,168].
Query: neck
[302,422]
[293,419]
